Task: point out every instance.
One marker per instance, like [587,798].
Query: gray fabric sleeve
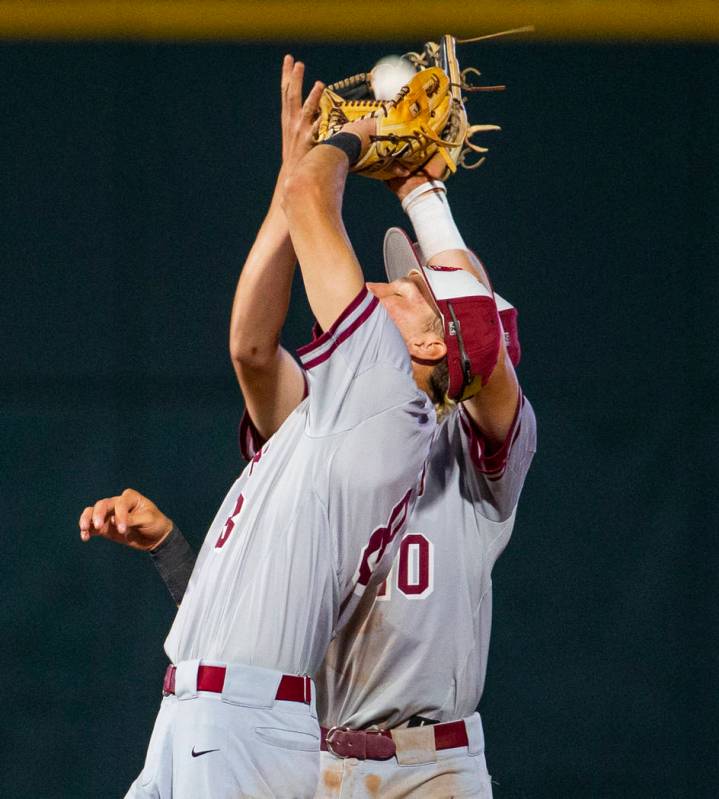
[495,481]
[175,560]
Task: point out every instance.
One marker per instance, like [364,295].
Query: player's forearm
[428,210]
[312,200]
[263,293]
[495,406]
[174,560]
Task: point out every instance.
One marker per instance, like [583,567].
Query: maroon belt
[379,745]
[292,687]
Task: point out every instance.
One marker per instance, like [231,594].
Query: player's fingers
[311,107]
[99,513]
[86,518]
[294,92]
[287,63]
[132,498]
[121,514]
[85,523]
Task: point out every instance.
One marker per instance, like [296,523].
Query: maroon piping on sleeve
[249,438]
[494,463]
[338,332]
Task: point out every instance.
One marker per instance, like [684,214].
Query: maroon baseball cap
[472,330]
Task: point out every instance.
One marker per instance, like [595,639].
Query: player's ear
[428,348]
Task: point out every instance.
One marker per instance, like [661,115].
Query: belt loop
[250,686]
[475,734]
[310,698]
[186,679]
[415,745]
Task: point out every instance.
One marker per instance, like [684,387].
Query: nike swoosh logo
[203,752]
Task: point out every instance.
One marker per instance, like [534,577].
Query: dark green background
[133,179]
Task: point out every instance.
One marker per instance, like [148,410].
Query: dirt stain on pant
[372,783]
[332,780]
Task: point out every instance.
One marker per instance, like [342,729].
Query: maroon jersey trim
[340,331]
[249,438]
[493,463]
[317,331]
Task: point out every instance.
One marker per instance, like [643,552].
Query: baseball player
[399,687]
[386,673]
[416,665]
[305,530]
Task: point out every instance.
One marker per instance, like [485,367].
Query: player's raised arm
[424,199]
[312,200]
[269,377]
[495,406]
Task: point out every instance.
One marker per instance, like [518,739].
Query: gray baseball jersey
[422,650]
[318,514]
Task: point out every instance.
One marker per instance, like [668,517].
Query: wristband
[349,143]
[431,217]
[429,186]
[174,560]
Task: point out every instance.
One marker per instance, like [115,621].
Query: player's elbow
[301,192]
[247,353]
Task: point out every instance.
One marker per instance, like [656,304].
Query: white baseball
[389,75]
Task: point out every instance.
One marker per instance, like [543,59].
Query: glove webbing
[354,82]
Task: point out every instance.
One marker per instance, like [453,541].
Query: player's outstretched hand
[298,118]
[129,519]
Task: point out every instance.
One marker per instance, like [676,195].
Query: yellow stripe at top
[358,20]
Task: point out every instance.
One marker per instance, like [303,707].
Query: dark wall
[133,179]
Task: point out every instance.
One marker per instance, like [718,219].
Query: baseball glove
[425,117]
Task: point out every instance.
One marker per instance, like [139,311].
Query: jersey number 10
[413,569]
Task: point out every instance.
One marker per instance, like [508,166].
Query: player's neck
[421,373]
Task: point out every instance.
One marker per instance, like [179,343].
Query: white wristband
[428,187]
[431,217]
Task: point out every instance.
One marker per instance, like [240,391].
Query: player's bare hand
[432,170]
[298,117]
[130,519]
